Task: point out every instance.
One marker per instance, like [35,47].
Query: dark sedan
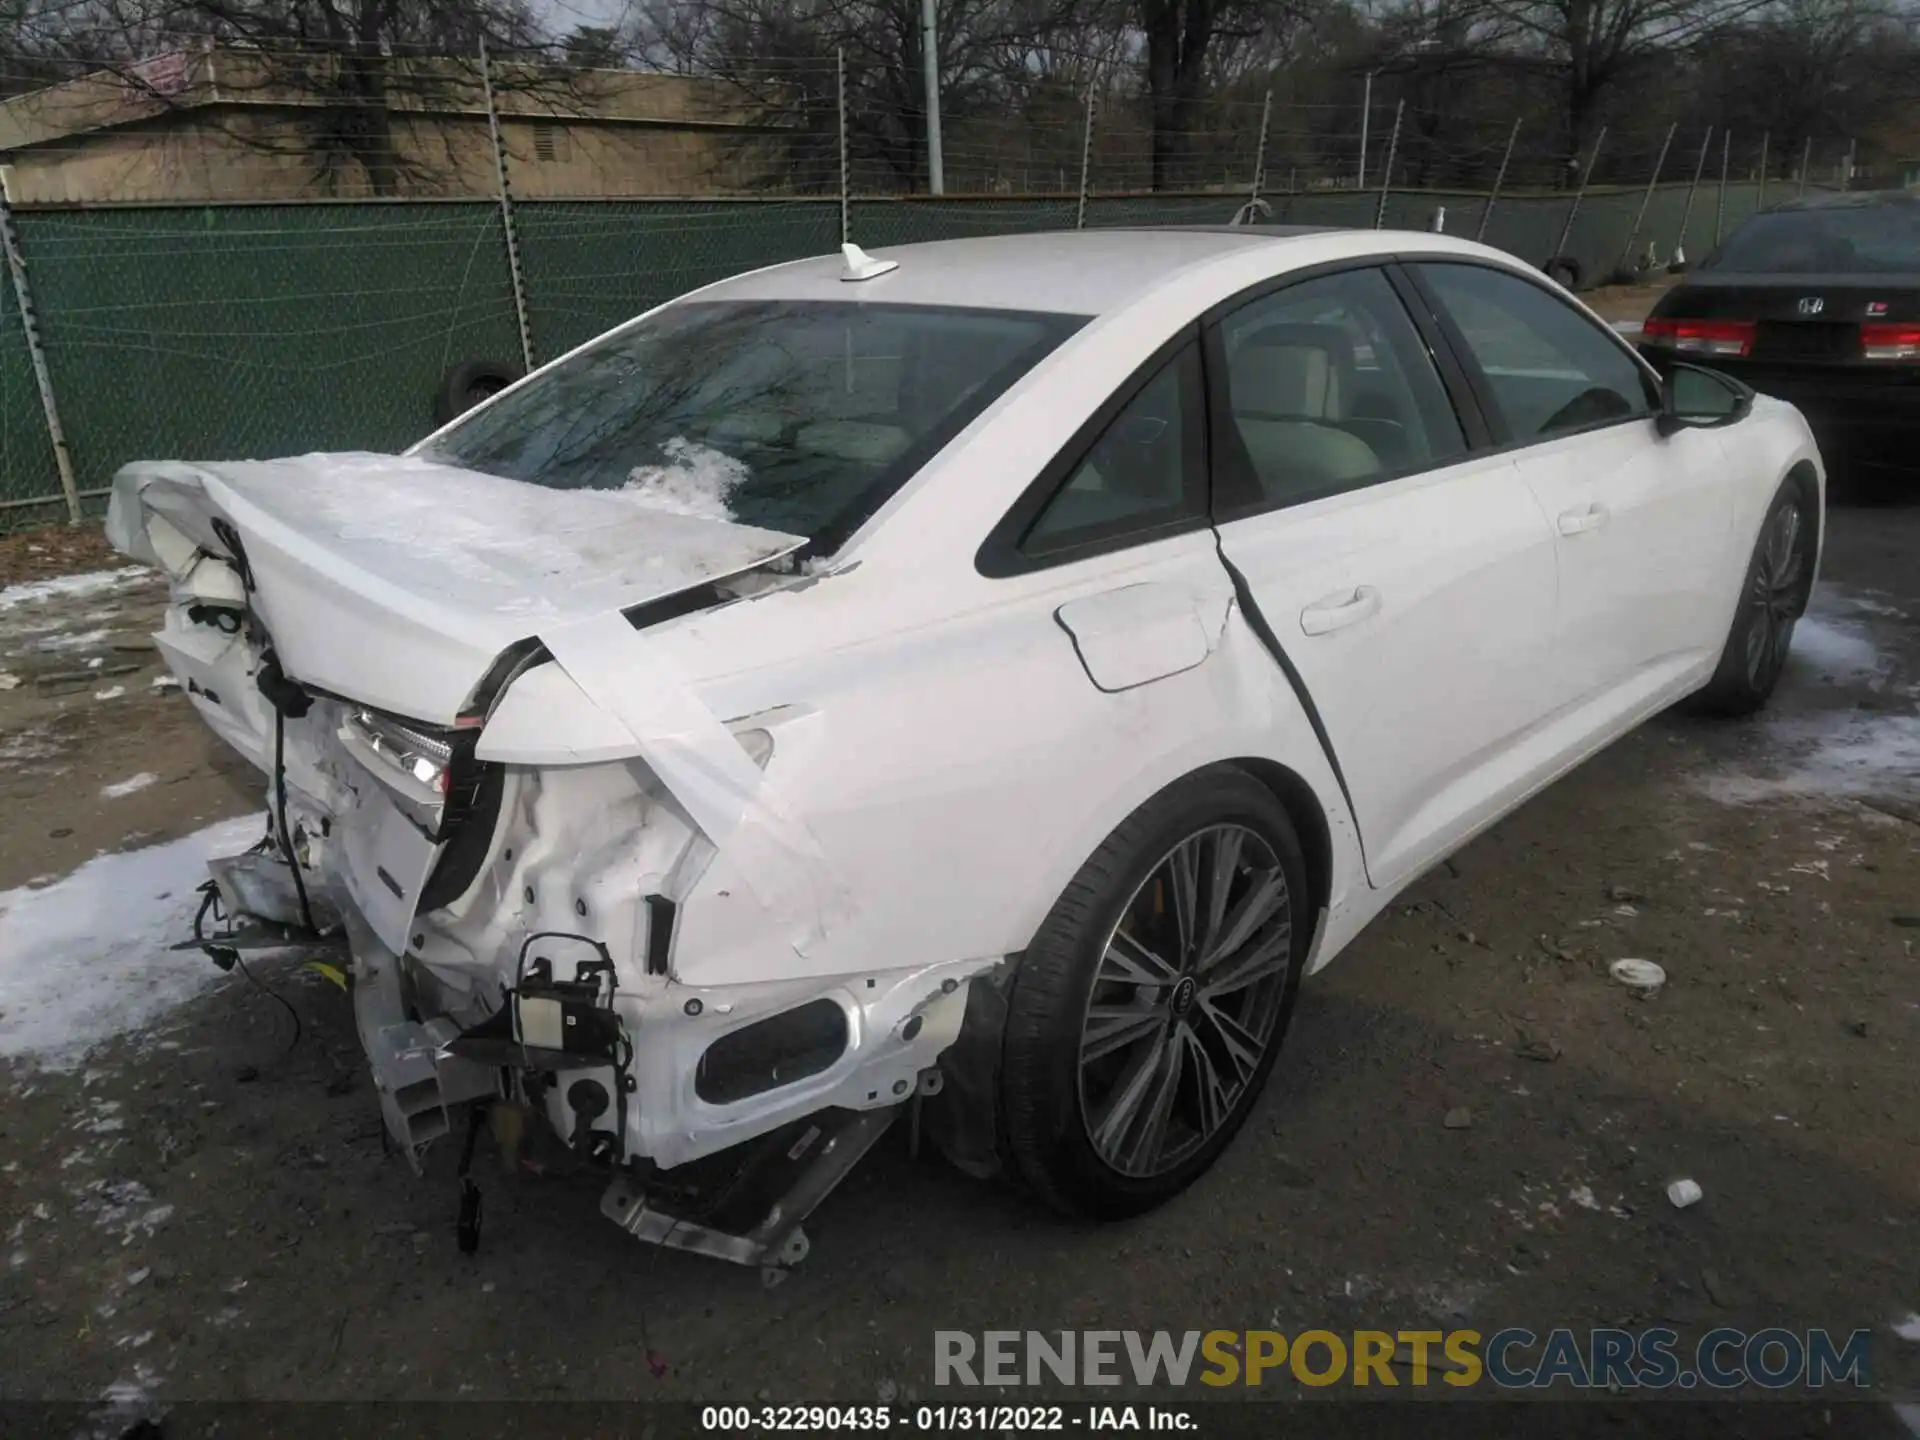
[1816,302]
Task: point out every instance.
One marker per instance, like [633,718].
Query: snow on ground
[128,786]
[86,958]
[1841,650]
[1837,747]
[70,587]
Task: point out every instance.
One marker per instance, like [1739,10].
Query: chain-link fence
[261,330]
[211,278]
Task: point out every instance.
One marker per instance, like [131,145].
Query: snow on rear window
[697,480]
[796,416]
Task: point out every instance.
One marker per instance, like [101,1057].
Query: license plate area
[1807,340]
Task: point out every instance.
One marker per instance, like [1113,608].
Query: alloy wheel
[1774,600]
[1185,1000]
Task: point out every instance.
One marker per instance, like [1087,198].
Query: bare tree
[1590,46]
[780,55]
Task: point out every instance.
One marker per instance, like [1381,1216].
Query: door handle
[1579,522]
[1336,612]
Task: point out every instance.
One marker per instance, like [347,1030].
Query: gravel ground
[1472,1124]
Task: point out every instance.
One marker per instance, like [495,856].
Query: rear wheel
[1148,1011]
[1778,580]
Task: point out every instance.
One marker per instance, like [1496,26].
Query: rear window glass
[796,416]
[1876,239]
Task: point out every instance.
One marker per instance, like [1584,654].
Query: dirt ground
[204,1209]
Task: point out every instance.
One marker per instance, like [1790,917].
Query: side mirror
[1693,397]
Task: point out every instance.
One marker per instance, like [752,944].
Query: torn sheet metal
[708,771]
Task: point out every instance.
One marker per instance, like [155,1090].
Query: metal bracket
[776,1243]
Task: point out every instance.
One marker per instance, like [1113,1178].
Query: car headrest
[1294,369]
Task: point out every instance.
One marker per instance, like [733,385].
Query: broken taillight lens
[413,751]
[1898,341]
[1700,337]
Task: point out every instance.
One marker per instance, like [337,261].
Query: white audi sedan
[976,681]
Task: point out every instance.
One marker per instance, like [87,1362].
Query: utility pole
[930,58]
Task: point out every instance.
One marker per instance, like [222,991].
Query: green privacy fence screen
[261,330]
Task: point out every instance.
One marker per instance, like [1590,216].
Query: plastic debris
[1684,1193]
[1643,977]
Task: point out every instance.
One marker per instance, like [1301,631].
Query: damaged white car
[977,682]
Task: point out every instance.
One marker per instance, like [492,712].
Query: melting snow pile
[1834,749]
[697,480]
[86,958]
[71,587]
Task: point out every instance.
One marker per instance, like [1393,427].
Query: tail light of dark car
[1730,339]
[1898,341]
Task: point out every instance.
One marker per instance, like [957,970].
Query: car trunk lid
[398,582]
[390,588]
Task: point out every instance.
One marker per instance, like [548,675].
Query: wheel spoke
[1115,1027]
[1221,873]
[1215,1100]
[1123,1110]
[1241,1045]
[1183,878]
[1131,963]
[1267,958]
[1151,1137]
[1266,897]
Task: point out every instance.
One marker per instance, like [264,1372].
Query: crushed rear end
[501,802]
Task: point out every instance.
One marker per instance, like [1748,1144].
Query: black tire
[467,384]
[1044,1091]
[1563,270]
[1773,595]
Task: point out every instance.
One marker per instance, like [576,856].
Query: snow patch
[1844,754]
[1837,648]
[67,587]
[80,640]
[697,480]
[132,783]
[86,958]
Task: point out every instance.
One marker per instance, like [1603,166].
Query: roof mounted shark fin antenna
[862,266]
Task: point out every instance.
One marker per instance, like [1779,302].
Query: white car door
[1641,521]
[1406,581]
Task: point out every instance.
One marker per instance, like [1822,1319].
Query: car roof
[1079,272]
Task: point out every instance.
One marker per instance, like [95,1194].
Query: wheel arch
[1309,817]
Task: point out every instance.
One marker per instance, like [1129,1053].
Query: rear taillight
[1700,337]
[1890,342]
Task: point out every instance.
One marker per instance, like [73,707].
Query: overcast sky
[565,15]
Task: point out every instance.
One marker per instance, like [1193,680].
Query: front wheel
[1147,1013]
[1778,581]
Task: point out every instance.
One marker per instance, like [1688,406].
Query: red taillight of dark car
[1732,338]
[1898,341]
